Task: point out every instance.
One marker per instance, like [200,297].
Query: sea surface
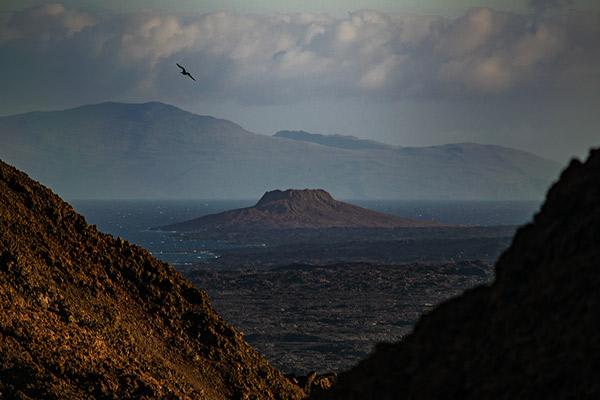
[133,220]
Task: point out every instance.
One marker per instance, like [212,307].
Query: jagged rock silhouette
[532,334]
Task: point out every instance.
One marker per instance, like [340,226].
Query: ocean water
[476,213]
[132,220]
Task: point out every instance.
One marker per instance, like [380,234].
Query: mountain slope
[154,150]
[290,209]
[84,315]
[341,141]
[532,334]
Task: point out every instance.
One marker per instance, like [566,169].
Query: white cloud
[285,57]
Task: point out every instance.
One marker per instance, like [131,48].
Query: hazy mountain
[532,333]
[153,150]
[341,141]
[290,209]
[86,316]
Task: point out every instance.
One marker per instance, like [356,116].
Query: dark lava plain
[327,318]
[320,299]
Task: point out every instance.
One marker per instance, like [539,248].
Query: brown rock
[84,315]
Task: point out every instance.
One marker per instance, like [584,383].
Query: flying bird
[184,72]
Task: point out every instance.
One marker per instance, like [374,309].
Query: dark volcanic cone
[532,334]
[291,209]
[84,315]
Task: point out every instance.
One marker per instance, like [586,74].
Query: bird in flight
[184,72]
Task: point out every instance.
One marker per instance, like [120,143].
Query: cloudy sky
[519,73]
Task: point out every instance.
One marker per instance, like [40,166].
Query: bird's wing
[190,75]
[183,69]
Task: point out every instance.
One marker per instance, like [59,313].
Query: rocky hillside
[292,208]
[532,334]
[84,315]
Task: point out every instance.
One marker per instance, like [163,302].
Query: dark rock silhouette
[84,315]
[289,209]
[532,334]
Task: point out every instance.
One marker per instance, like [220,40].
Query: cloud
[46,22]
[273,59]
[502,53]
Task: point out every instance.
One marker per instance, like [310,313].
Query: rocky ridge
[84,315]
[531,334]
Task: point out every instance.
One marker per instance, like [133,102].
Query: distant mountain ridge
[154,150]
[340,141]
[292,208]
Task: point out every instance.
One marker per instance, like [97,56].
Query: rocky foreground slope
[297,209]
[532,334]
[84,315]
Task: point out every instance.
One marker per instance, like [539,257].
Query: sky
[518,73]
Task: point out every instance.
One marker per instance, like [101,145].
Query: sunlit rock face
[85,315]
